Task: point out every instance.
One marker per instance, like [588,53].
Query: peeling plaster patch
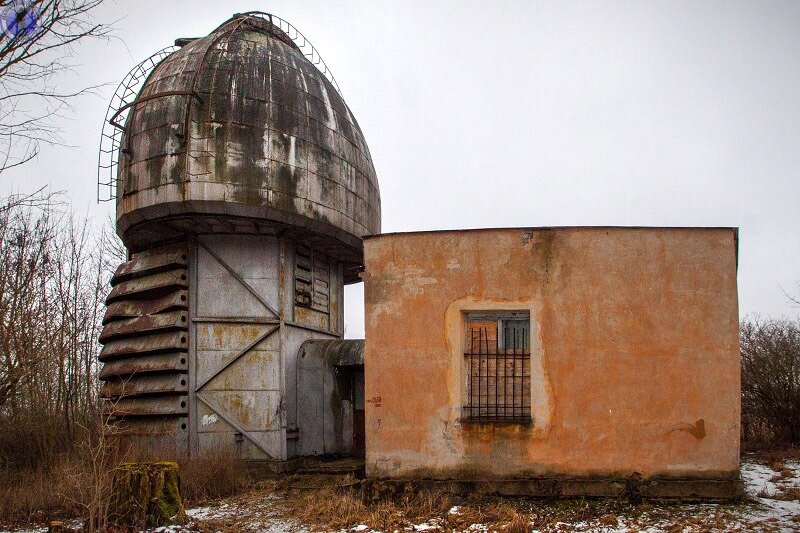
[527,237]
[410,281]
[442,426]
[398,461]
[696,430]
[383,308]
[209,419]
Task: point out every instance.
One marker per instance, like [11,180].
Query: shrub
[770,352]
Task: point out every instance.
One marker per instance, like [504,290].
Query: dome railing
[116,114]
[303,44]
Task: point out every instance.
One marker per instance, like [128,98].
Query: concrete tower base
[201,343]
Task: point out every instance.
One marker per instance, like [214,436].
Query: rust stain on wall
[696,430]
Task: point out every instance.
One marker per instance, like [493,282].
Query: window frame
[479,407]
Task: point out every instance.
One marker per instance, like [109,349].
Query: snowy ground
[774,507]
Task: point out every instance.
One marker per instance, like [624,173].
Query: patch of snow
[757,477]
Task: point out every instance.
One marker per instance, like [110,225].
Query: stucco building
[589,361]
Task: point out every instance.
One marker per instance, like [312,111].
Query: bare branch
[30,58]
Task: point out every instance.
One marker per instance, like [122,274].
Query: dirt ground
[772,484]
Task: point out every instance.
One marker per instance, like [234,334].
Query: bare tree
[54,275]
[771,380]
[37,38]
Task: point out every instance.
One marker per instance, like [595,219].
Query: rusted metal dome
[239,132]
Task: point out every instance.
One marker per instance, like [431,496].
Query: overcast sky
[502,113]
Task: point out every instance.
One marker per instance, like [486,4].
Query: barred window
[498,367]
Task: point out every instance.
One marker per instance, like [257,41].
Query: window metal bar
[505,380]
[479,370]
[496,374]
[514,385]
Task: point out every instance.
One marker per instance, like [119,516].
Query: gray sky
[504,113]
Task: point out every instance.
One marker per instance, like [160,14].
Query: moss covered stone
[147,495]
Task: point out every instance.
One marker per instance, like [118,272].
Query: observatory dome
[239,132]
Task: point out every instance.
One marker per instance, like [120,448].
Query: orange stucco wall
[634,351]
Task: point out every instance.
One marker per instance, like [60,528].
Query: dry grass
[77,484]
[775,454]
[211,476]
[38,495]
[337,503]
[789,494]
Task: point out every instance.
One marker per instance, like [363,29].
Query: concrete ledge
[320,465]
[634,487]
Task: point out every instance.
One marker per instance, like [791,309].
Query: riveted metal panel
[145,325]
[236,361]
[141,265]
[172,405]
[136,308]
[149,345]
[171,362]
[145,385]
[149,286]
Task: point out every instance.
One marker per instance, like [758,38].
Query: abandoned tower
[244,189]
[546,361]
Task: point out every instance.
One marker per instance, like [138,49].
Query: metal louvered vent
[145,343]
